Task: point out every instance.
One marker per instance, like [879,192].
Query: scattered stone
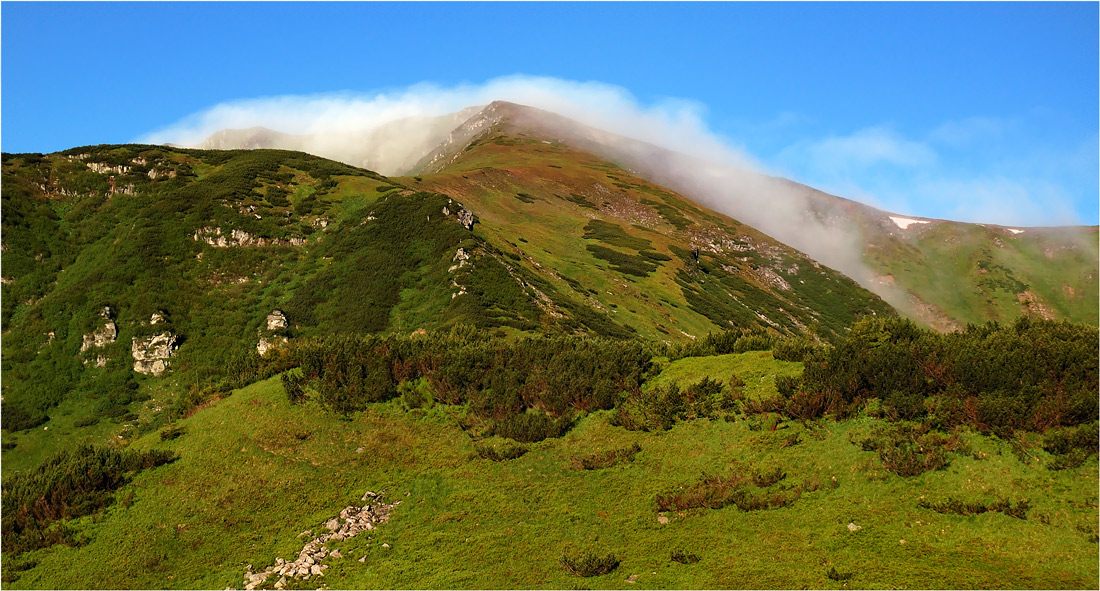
[350,521]
[360,450]
[385,545]
[632,578]
[853,527]
[662,519]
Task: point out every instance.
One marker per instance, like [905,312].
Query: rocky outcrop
[216,238]
[465,217]
[153,354]
[461,259]
[104,168]
[102,336]
[349,523]
[271,338]
[276,320]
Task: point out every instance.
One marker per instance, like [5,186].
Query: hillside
[117,256]
[257,478]
[944,274]
[523,367]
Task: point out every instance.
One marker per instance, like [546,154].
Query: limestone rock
[461,259]
[853,527]
[466,219]
[266,344]
[102,336]
[152,354]
[276,320]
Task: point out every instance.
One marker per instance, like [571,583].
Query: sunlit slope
[654,260]
[947,274]
[943,274]
[256,472]
[204,245]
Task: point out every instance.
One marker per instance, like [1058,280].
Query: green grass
[254,472]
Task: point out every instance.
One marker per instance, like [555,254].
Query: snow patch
[904,223]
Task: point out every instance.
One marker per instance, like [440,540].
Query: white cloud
[854,153]
[970,130]
[676,124]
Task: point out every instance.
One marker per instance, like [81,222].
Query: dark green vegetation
[214,241]
[1033,375]
[66,486]
[552,419]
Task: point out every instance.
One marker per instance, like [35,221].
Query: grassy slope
[952,273]
[537,198]
[246,485]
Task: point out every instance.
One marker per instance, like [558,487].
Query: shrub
[293,386]
[606,459]
[589,564]
[86,421]
[505,451]
[958,507]
[683,557]
[68,484]
[715,492]
[531,427]
[171,432]
[911,450]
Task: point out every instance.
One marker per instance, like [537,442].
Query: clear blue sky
[912,106]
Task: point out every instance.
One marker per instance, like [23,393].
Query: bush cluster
[957,507]
[500,453]
[658,409]
[908,449]
[525,390]
[1031,375]
[749,490]
[605,459]
[66,485]
[589,564]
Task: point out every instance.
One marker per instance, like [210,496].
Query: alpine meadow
[505,343]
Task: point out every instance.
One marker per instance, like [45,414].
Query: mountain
[120,261]
[510,371]
[944,274]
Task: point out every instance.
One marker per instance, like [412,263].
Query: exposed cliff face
[153,354]
[216,238]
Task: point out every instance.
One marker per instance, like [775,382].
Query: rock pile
[349,523]
[216,238]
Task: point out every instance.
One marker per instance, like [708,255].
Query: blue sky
[971,111]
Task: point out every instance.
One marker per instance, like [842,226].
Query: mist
[667,142]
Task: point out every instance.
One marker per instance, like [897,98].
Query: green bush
[910,450]
[683,557]
[500,453]
[589,564]
[68,484]
[605,459]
